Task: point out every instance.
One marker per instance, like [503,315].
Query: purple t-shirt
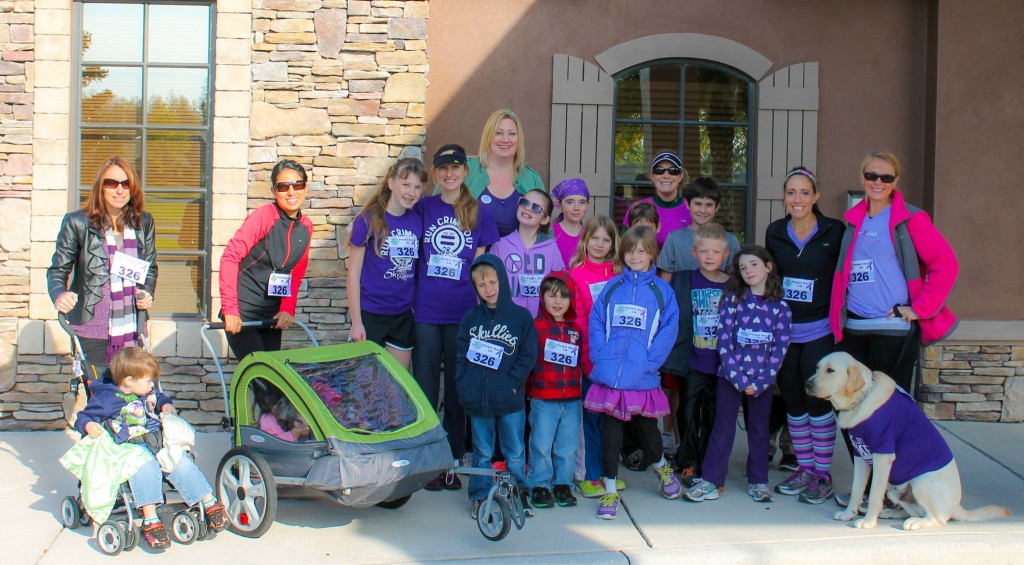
[899,427]
[671,216]
[504,210]
[388,280]
[566,243]
[876,279]
[706,298]
[444,291]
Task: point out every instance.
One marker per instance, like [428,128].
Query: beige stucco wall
[487,54]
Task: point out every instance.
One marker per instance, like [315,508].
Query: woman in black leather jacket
[108,252]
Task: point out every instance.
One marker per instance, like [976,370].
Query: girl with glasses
[530,252]
[104,264]
[264,263]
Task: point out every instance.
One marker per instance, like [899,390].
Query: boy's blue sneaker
[608,506]
[669,487]
[700,491]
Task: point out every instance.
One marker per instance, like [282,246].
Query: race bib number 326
[629,316]
[129,268]
[445,267]
[484,354]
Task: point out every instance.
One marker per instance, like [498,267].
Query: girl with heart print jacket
[752,340]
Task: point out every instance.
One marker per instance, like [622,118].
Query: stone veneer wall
[973,381]
[337,85]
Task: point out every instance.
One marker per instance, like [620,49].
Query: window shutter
[787,136]
[581,127]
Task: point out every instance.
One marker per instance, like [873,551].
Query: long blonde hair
[377,206]
[589,229]
[490,127]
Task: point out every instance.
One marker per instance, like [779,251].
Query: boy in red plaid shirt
[555,394]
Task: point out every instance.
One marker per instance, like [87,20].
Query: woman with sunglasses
[895,273]
[498,177]
[108,251]
[667,174]
[530,252]
[263,265]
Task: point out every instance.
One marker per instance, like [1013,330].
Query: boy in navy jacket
[497,348]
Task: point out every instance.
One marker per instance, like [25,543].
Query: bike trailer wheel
[495,518]
[246,487]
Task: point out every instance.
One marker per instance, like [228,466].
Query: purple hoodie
[752,340]
[527,267]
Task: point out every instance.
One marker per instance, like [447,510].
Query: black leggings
[694,419]
[249,340]
[799,365]
[611,442]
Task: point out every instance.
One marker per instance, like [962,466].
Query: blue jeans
[509,429]
[554,438]
[188,480]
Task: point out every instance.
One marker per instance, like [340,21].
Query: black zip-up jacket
[81,255]
[816,262]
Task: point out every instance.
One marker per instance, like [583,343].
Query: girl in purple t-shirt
[456,229]
[752,340]
[381,283]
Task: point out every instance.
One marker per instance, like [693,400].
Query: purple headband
[570,187]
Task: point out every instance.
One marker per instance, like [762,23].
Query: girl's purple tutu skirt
[624,404]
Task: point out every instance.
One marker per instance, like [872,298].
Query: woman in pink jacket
[895,272]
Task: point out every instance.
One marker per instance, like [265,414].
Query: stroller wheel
[246,487]
[131,537]
[184,528]
[70,516]
[396,503]
[111,537]
[495,518]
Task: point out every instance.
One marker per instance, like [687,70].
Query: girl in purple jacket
[753,337]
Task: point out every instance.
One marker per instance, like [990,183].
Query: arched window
[699,110]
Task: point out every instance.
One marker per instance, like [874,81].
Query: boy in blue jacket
[497,348]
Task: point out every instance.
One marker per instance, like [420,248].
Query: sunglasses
[674,171]
[296,184]
[112,184]
[533,206]
[872,177]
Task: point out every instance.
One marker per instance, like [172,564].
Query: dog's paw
[893,514]
[845,515]
[911,524]
[865,523]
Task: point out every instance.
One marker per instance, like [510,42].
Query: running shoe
[608,507]
[700,491]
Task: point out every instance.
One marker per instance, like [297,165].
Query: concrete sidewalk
[436,527]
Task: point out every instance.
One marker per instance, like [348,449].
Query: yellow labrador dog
[896,443]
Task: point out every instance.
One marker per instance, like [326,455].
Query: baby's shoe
[216,516]
[155,534]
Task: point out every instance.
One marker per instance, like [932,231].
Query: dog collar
[863,395]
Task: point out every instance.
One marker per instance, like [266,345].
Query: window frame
[77,186]
[682,124]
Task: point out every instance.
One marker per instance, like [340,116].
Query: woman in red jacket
[262,268]
[895,270]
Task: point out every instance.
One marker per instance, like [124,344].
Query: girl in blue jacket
[633,326]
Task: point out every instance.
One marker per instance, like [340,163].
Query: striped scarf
[122,297]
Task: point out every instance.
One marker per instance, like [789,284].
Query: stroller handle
[227,422]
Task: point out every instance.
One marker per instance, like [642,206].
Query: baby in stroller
[283,421]
[126,405]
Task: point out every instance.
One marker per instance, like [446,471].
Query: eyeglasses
[296,184]
[674,171]
[872,177]
[112,184]
[533,206]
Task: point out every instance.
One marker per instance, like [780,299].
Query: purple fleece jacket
[752,340]
[527,267]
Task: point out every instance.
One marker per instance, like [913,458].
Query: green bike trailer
[372,439]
